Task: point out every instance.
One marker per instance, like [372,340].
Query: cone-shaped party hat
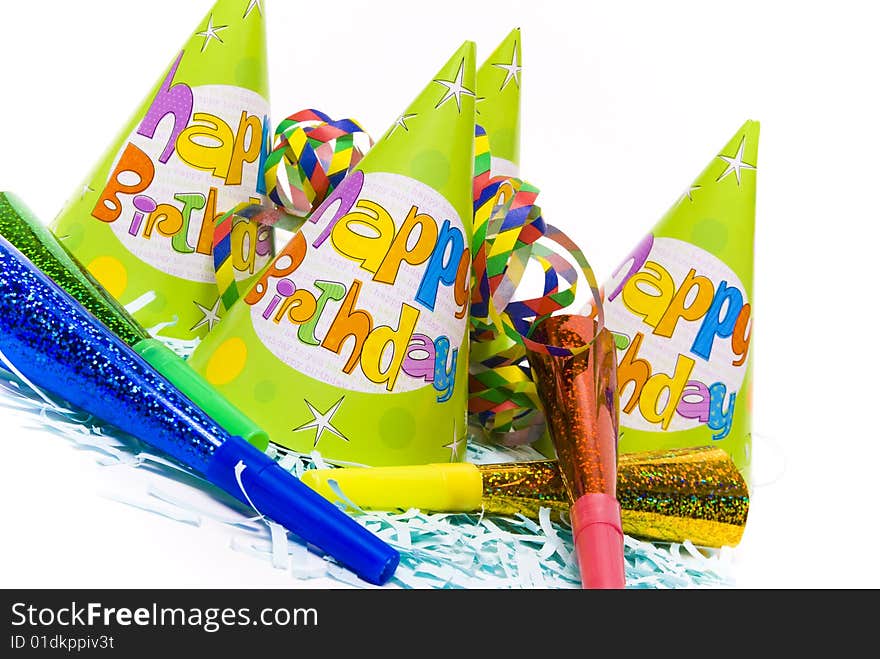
[680,305]
[353,340]
[143,220]
[498,103]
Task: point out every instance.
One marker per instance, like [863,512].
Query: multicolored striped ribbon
[482,161]
[312,154]
[222,249]
[503,402]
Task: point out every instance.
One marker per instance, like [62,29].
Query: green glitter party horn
[20,227]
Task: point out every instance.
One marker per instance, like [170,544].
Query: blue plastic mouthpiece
[257,480]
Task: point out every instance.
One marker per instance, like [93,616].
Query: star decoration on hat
[210,317]
[254,4]
[689,193]
[454,444]
[211,32]
[454,89]
[322,422]
[735,164]
[513,69]
[401,123]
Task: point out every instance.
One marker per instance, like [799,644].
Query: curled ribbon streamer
[312,155]
[503,403]
[222,248]
[482,161]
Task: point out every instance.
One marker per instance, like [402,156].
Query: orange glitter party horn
[579,395]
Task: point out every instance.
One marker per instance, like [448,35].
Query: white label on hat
[372,294]
[686,320]
[195,155]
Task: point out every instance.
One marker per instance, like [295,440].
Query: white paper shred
[182,347]
[437,550]
[157,507]
[280,551]
[139,303]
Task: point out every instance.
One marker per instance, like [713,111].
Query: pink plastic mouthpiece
[598,541]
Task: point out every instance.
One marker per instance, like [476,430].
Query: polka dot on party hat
[312,154]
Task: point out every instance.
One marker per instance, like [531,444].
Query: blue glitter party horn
[55,343]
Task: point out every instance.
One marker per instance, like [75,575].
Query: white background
[624,103]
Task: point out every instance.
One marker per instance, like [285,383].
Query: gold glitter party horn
[694,494]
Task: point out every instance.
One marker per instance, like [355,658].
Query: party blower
[21,228]
[579,395]
[50,339]
[694,494]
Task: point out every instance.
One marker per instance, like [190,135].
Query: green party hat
[142,221]
[353,341]
[498,103]
[681,308]
[434,134]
